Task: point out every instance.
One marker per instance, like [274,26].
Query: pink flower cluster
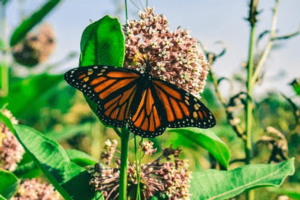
[36,47]
[173,55]
[35,190]
[11,151]
[163,176]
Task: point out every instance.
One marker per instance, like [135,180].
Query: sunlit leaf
[208,140]
[21,31]
[102,43]
[215,184]
[68,178]
[9,184]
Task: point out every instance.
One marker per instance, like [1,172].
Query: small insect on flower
[148,97]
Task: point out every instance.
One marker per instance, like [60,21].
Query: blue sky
[208,20]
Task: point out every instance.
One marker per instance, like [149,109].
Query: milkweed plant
[155,168]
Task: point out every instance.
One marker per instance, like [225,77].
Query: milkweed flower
[36,47]
[163,176]
[11,151]
[34,189]
[174,55]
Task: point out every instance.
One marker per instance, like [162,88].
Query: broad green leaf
[102,43]
[68,178]
[292,193]
[80,158]
[23,93]
[9,184]
[208,140]
[21,31]
[215,184]
[296,85]
[2,198]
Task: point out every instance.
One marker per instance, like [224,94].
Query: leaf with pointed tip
[215,184]
[208,140]
[69,179]
[102,43]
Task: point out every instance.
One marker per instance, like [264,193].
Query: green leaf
[68,178]
[9,184]
[214,184]
[24,93]
[80,158]
[208,140]
[296,85]
[102,43]
[2,198]
[6,121]
[21,31]
[292,193]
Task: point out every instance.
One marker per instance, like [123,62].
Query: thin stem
[123,167]
[248,149]
[269,44]
[126,12]
[138,191]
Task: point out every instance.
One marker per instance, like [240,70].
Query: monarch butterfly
[149,105]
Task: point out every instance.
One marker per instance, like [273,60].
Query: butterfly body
[149,105]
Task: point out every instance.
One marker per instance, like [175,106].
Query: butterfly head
[148,68]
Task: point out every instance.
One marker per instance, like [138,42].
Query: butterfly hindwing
[111,88]
[147,117]
[182,109]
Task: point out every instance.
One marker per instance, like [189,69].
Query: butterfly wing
[163,105]
[147,117]
[182,109]
[112,88]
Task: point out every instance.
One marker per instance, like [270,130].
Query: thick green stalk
[248,148]
[123,167]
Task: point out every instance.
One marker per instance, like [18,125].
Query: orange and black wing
[147,117]
[182,109]
[111,88]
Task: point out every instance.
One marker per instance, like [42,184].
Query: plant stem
[123,166]
[248,149]
[269,44]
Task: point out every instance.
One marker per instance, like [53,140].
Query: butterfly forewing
[112,88]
